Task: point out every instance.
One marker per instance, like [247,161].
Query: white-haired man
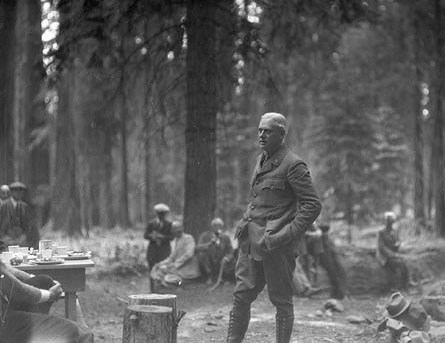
[282,205]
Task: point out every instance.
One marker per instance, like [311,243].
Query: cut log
[168,300]
[148,324]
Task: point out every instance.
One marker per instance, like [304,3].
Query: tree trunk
[65,191]
[143,323]
[124,214]
[419,182]
[201,103]
[438,143]
[7,20]
[27,78]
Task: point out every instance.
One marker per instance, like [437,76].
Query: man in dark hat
[16,227]
[159,234]
[283,204]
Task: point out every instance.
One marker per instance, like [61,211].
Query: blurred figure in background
[314,248]
[387,253]
[159,234]
[181,264]
[4,193]
[213,247]
[16,224]
[331,262]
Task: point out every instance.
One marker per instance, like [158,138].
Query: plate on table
[76,257]
[43,262]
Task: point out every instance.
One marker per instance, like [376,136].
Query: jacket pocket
[273,192]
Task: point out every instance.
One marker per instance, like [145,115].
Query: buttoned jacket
[283,204]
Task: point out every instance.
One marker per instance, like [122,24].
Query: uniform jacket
[183,257]
[387,245]
[16,226]
[282,205]
[158,249]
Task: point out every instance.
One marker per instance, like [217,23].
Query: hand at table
[55,291]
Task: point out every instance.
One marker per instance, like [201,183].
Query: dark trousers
[251,276]
[28,326]
[399,272]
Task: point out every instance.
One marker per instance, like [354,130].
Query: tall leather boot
[238,323]
[284,327]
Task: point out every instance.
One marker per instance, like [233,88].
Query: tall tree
[438,139]
[200,133]
[7,20]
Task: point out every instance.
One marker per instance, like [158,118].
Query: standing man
[388,244]
[159,234]
[16,225]
[283,205]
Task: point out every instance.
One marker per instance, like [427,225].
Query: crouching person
[24,309]
[181,264]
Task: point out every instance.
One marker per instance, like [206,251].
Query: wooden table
[70,273]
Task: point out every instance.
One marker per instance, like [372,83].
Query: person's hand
[55,291]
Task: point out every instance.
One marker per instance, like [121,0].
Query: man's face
[17,194]
[161,215]
[270,136]
[177,230]
[4,194]
[216,227]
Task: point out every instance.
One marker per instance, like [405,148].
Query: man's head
[271,131]
[4,192]
[161,210]
[390,218]
[216,225]
[17,190]
[177,229]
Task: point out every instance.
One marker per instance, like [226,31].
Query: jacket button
[272,187]
[255,195]
[252,207]
[249,219]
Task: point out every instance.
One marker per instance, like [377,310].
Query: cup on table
[47,254]
[13,248]
[6,256]
[45,244]
[62,250]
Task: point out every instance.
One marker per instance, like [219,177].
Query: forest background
[108,107]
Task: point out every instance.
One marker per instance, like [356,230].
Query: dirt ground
[206,316]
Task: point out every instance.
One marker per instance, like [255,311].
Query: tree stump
[147,324]
[168,300]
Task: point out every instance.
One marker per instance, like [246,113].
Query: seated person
[213,247]
[388,244]
[25,301]
[182,263]
[314,248]
[330,261]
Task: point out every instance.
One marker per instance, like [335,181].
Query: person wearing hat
[182,263]
[387,253]
[283,204]
[25,302]
[16,225]
[4,193]
[213,246]
[159,234]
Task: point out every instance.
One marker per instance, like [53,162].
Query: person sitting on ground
[159,234]
[25,301]
[181,264]
[387,253]
[4,193]
[314,247]
[16,224]
[331,262]
[213,247]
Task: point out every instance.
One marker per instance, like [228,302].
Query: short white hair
[277,119]
[390,215]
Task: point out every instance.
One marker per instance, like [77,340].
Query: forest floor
[121,271]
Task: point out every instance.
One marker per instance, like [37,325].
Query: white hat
[161,208]
[390,215]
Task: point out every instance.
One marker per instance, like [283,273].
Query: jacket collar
[272,162]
